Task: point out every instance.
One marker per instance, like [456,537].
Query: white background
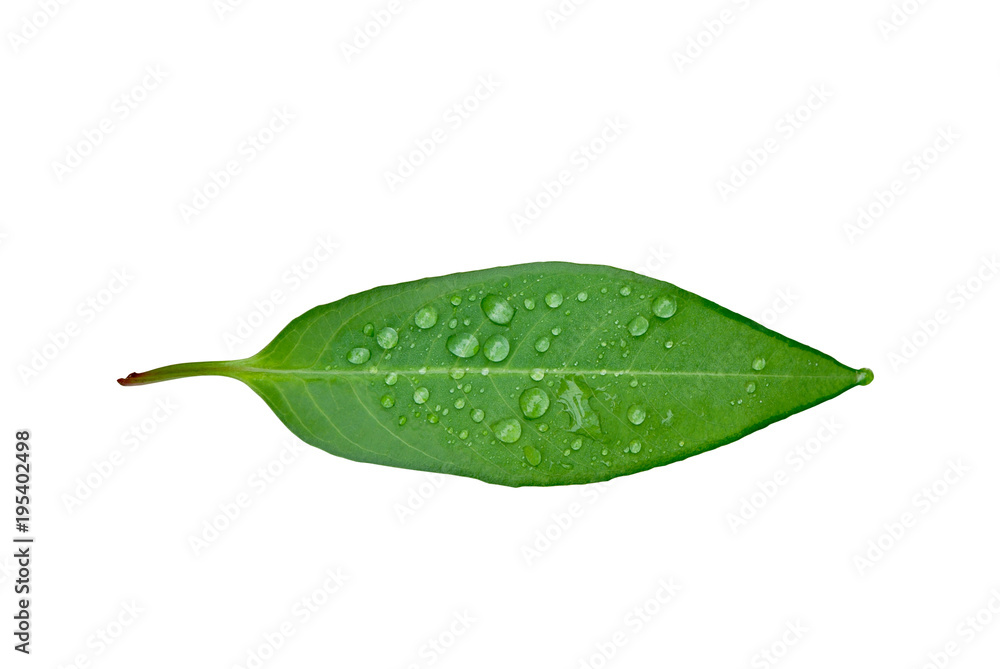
[779,249]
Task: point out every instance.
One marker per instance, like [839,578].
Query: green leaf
[537,374]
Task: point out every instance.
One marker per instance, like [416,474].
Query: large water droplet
[421,394]
[496,348]
[358,356]
[387,338]
[534,402]
[478,415]
[664,307]
[388,402]
[638,326]
[542,345]
[426,317]
[497,309]
[507,430]
[554,299]
[758,363]
[464,345]
[636,414]
[532,455]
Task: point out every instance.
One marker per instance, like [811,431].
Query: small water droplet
[557,331]
[758,363]
[467,388]
[497,309]
[636,414]
[507,430]
[577,444]
[751,387]
[668,344]
[534,402]
[625,291]
[456,300]
[582,297]
[391,378]
[496,348]
[464,344]
[388,402]
[426,317]
[457,373]
[460,403]
[432,418]
[542,345]
[554,299]
[402,420]
[387,338]
[464,434]
[635,446]
[453,323]
[368,329]
[358,356]
[542,427]
[421,394]
[529,303]
[664,307]
[532,455]
[638,326]
[537,374]
[478,415]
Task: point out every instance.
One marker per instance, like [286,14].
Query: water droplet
[368,329]
[668,344]
[557,331]
[402,420]
[625,291]
[542,345]
[496,348]
[387,338]
[554,299]
[635,446]
[638,326]
[478,415]
[464,434]
[577,444]
[664,307]
[582,297]
[751,387]
[534,402]
[457,373]
[507,430]
[421,394]
[633,383]
[537,374]
[460,403]
[532,455]
[467,388]
[529,303]
[636,414]
[432,418]
[497,309]
[358,356]
[542,427]
[426,317]
[758,363]
[456,300]
[567,452]
[464,345]
[391,378]
[453,323]
[388,402]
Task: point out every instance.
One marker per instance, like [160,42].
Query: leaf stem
[180,371]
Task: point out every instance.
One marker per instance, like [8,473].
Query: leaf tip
[865,376]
